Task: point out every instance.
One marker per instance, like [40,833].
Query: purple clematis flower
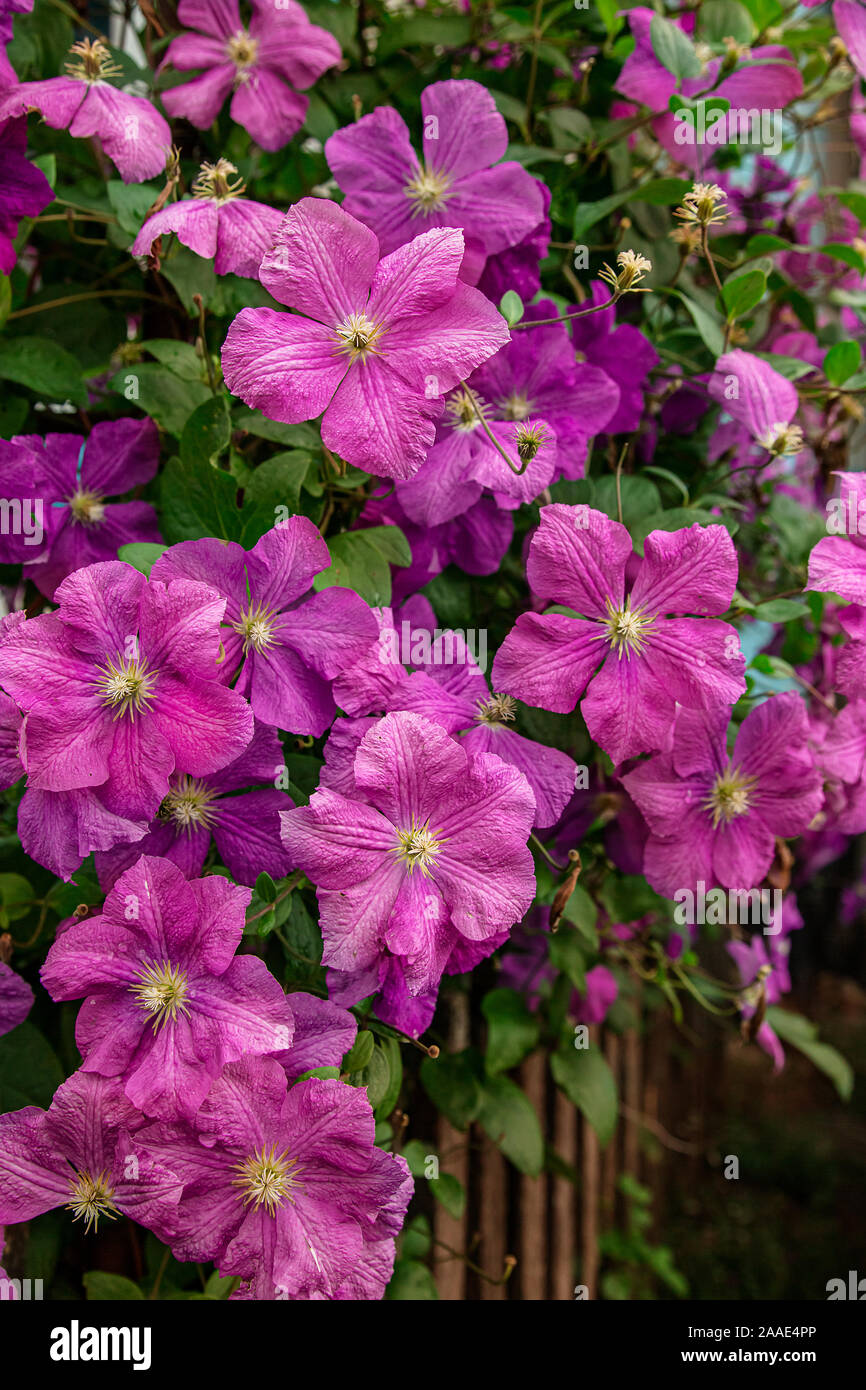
[285,1187]
[72,477]
[284,644]
[133,134]
[79,1155]
[374,343]
[397,195]
[24,189]
[120,688]
[260,65]
[244,828]
[16,999]
[652,656]
[168,1003]
[714,817]
[217,223]
[542,409]
[620,351]
[837,564]
[435,853]
[599,996]
[759,398]
[449,688]
[8,75]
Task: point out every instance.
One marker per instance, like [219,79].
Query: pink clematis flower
[133,134]
[758,398]
[120,688]
[76,1155]
[540,405]
[261,65]
[714,816]
[285,1188]
[374,343]
[168,1003]
[458,183]
[218,223]
[429,855]
[74,479]
[284,644]
[650,655]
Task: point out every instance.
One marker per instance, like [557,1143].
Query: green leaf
[207,432]
[585,1077]
[16,898]
[508,1118]
[781,610]
[720,19]
[197,500]
[673,49]
[453,1085]
[639,496]
[170,400]
[29,1069]
[743,293]
[511,307]
[358,1056]
[45,368]
[709,329]
[764,243]
[841,362]
[662,192]
[292,436]
[361,560]
[512,1030]
[110,1288]
[587,214]
[278,481]
[142,555]
[411,1282]
[802,1034]
[266,888]
[131,202]
[566,951]
[180,358]
[582,912]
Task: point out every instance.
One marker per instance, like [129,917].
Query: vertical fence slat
[532,1248]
